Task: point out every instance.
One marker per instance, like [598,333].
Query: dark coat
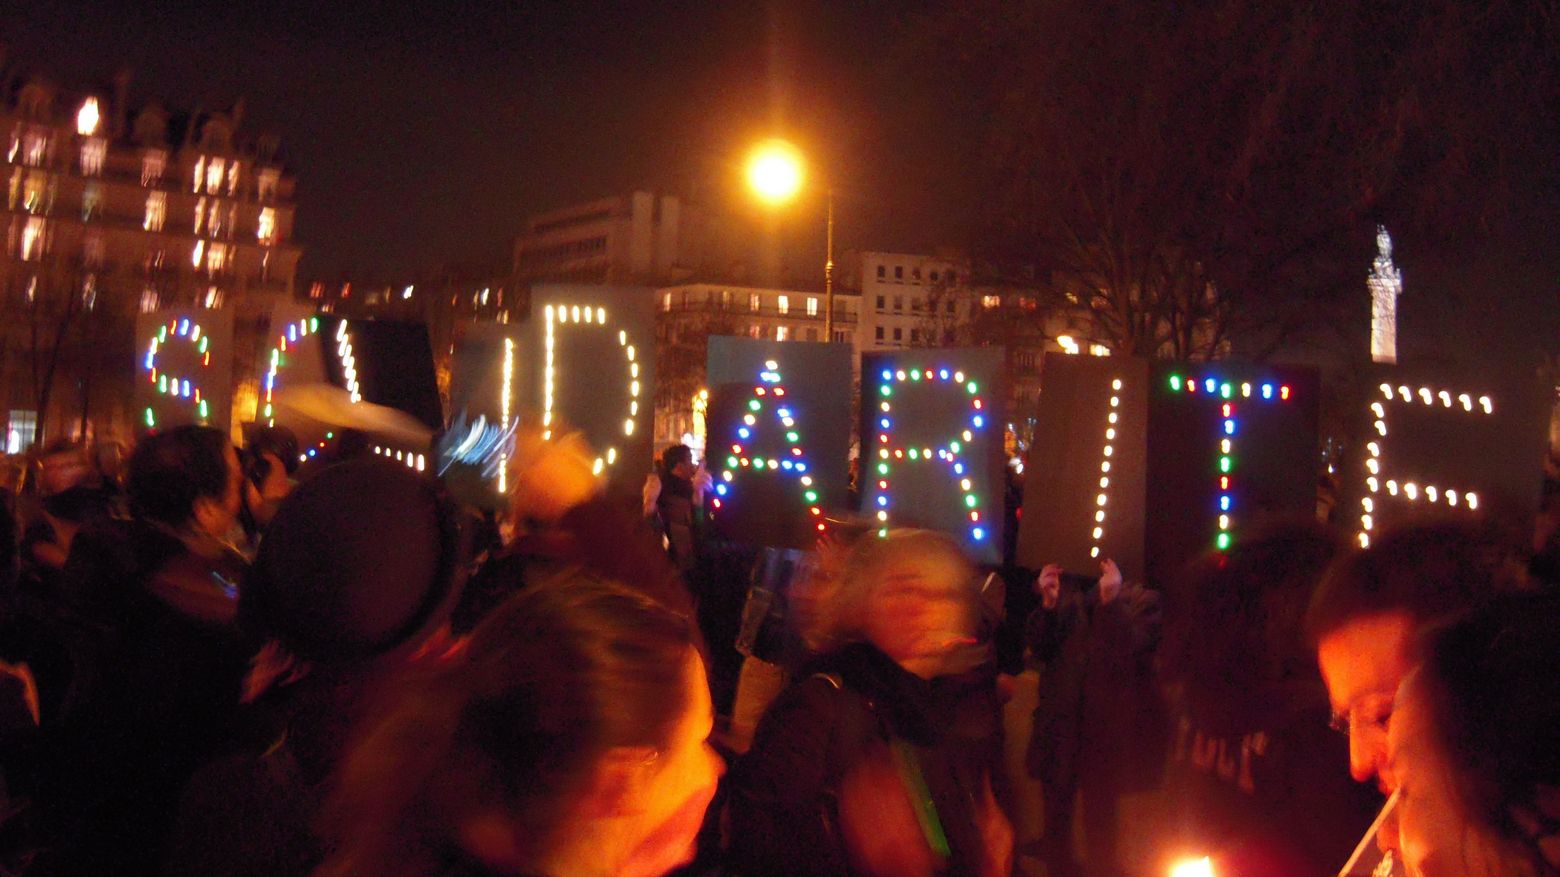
[784,816]
[154,695]
[1099,713]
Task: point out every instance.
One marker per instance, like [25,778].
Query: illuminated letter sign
[779,433]
[932,440]
[769,403]
[1447,446]
[286,346]
[590,357]
[484,412]
[186,369]
[1183,458]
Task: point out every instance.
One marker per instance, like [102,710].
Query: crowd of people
[212,662]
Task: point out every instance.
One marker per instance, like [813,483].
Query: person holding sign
[1100,727]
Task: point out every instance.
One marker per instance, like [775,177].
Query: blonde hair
[839,604]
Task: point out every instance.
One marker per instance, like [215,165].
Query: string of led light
[507,394]
[412,461]
[1411,490]
[769,387]
[295,333]
[178,387]
[1225,392]
[1111,418]
[564,314]
[949,453]
[348,361]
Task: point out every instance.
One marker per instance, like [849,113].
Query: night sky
[423,133]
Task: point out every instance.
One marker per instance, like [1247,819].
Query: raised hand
[1049,585]
[1110,581]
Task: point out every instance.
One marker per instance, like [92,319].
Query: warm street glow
[775,171]
[1192,868]
[88,117]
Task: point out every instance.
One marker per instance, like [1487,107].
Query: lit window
[93,151]
[782,333]
[213,297]
[200,215]
[991,301]
[21,429]
[755,331]
[198,254]
[233,178]
[666,302]
[148,300]
[214,169]
[216,257]
[812,306]
[156,211]
[153,163]
[265,226]
[35,148]
[200,171]
[32,238]
[91,200]
[88,118]
[753,302]
[784,304]
[725,299]
[266,183]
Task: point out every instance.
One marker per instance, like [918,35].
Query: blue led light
[784,413]
[801,467]
[978,533]
[883,501]
[943,374]
[978,421]
[1267,391]
[1229,427]
[744,432]
[1224,503]
[958,468]
[883,423]
[786,464]
[720,489]
[1210,384]
[888,375]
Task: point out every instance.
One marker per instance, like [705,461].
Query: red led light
[1283,393]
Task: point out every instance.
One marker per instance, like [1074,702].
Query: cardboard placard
[1091,441]
[184,368]
[1443,441]
[589,365]
[932,428]
[779,438]
[484,413]
[1197,453]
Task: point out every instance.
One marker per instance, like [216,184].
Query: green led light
[915,454]
[1226,391]
[204,343]
[731,462]
[758,462]
[267,408]
[954,447]
[162,334]
[791,437]
[150,420]
[205,412]
[1223,541]
[971,387]
[915,375]
[1175,382]
[1224,464]
[882,532]
[329,435]
[886,390]
[314,324]
[812,496]
[882,468]
[969,500]
[753,405]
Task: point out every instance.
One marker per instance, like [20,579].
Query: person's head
[912,594]
[569,738]
[1239,631]
[62,465]
[678,460]
[186,477]
[1366,614]
[1475,745]
[362,559]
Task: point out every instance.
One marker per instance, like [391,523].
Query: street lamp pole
[828,274]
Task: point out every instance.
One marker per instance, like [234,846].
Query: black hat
[360,559]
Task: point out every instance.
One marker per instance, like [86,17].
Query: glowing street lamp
[775,173]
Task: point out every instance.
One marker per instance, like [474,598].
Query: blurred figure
[1475,746]
[680,504]
[1366,615]
[351,593]
[1256,779]
[270,458]
[570,738]
[158,657]
[1100,728]
[879,761]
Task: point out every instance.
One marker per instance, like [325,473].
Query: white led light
[1486,404]
[1473,500]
